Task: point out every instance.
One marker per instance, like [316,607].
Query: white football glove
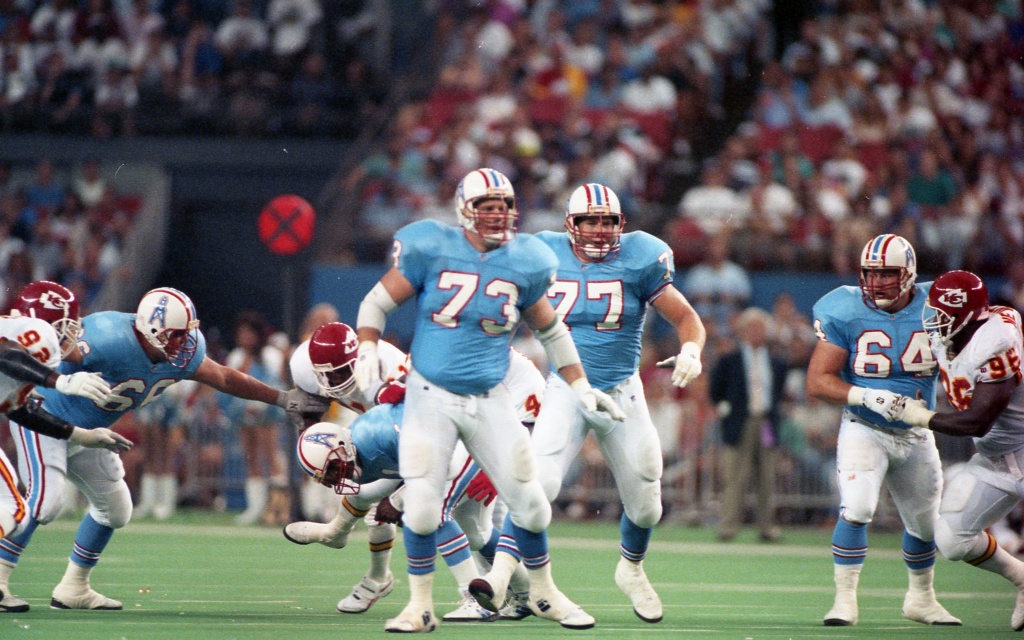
[86,384]
[880,401]
[912,411]
[100,438]
[367,368]
[685,366]
[297,401]
[596,400]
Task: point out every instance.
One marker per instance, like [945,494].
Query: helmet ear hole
[326,452]
[887,251]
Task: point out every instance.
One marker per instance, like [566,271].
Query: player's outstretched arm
[33,417]
[989,400]
[678,312]
[18,364]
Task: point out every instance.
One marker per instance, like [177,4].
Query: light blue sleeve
[656,266]
[543,267]
[415,245]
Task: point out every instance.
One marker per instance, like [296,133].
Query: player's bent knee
[422,507]
[552,484]
[953,546]
[117,511]
[650,464]
[51,507]
[858,514]
[533,512]
[646,512]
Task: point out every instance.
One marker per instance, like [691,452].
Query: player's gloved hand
[84,383]
[880,401]
[912,411]
[482,489]
[297,401]
[594,399]
[100,438]
[367,368]
[685,366]
[391,392]
[387,513]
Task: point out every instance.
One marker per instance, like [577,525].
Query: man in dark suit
[746,387]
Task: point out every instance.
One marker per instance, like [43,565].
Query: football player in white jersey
[323,366]
[473,283]
[979,351]
[606,280]
[871,350]
[30,349]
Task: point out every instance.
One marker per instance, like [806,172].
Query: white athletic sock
[421,588]
[76,575]
[464,572]
[382,539]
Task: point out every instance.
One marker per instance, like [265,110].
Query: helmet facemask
[167,320]
[485,205]
[888,270]
[956,299]
[333,349]
[597,207]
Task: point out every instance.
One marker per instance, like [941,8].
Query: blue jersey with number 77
[109,346]
[604,303]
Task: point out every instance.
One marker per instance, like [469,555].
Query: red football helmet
[55,304]
[957,299]
[332,350]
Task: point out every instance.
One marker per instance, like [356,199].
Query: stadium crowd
[743,152]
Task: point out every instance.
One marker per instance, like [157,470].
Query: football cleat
[844,610]
[517,606]
[631,579]
[469,611]
[489,596]
[842,614]
[412,620]
[67,597]
[1016,620]
[365,594]
[305,532]
[551,604]
[9,603]
[924,608]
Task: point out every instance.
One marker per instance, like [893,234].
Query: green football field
[197,577]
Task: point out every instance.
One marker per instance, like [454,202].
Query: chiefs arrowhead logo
[955,298]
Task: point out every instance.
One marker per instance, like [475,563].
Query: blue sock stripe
[635,540]
[631,555]
[452,543]
[421,566]
[917,553]
[90,541]
[536,562]
[83,557]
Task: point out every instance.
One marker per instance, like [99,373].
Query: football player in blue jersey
[473,283]
[606,280]
[872,349]
[360,462]
[139,355]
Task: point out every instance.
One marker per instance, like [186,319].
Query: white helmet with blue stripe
[600,206]
[887,253]
[497,225]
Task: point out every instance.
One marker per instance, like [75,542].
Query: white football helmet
[327,453]
[494,227]
[887,252]
[598,203]
[166,318]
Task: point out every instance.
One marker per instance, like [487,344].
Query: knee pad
[645,512]
[118,508]
[378,533]
[550,478]
[649,462]
[422,507]
[952,546]
[533,511]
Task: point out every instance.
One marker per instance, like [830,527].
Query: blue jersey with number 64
[109,346]
[887,350]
